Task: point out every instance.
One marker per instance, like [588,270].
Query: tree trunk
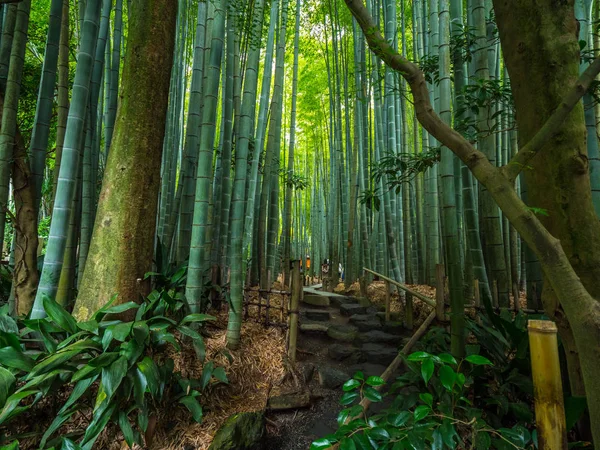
[123,238]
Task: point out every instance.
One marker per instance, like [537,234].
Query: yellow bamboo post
[439,291]
[548,393]
[296,292]
[387,301]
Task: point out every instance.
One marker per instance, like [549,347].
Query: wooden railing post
[439,291]
[295,303]
[548,393]
[387,301]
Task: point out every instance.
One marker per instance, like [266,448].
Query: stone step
[338,301]
[316,328]
[320,315]
[377,336]
[341,352]
[331,378]
[349,309]
[344,333]
[315,300]
[378,353]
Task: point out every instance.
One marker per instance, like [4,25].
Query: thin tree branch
[554,123]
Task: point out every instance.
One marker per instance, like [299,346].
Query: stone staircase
[353,330]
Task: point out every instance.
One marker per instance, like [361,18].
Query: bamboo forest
[299,224]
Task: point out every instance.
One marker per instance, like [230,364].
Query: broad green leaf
[447,358]
[359,376]
[421,412]
[10,406]
[148,368]
[59,315]
[191,318]
[52,362]
[427,370]
[437,442]
[126,429]
[8,324]
[191,403]
[140,331]
[107,339]
[131,350]
[90,325]
[14,445]
[70,445]
[207,372]
[117,309]
[351,385]
[121,331]
[378,433]
[362,442]
[372,394]
[342,416]
[347,444]
[399,419]
[375,381]
[447,377]
[187,331]
[448,433]
[427,398]
[418,356]
[219,374]
[349,397]
[320,444]
[7,384]
[478,360]
[111,379]
[483,441]
[16,359]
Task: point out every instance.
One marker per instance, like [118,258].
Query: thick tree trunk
[558,180]
[123,238]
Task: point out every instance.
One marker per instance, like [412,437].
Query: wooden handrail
[429,301]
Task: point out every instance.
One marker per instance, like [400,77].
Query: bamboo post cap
[542,326]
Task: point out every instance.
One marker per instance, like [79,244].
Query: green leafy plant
[117,369]
[433,407]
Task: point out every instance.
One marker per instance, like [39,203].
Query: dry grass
[252,370]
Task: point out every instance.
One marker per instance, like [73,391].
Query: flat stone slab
[318,328]
[350,309]
[331,378]
[281,401]
[315,300]
[344,333]
[376,336]
[317,314]
[369,325]
[378,353]
[339,301]
[340,352]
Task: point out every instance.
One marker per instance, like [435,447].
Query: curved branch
[554,123]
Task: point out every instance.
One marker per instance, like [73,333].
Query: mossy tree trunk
[558,181]
[123,238]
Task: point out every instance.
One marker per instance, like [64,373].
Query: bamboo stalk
[549,403]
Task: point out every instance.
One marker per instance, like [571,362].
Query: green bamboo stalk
[66,187]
